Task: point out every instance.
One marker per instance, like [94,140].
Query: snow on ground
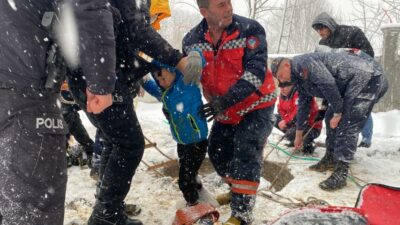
[158,197]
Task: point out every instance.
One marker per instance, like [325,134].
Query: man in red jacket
[240,95]
[286,119]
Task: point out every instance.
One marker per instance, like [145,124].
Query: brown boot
[232,221]
[224,199]
[235,221]
[326,163]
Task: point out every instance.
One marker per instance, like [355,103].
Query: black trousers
[33,170]
[76,128]
[122,153]
[342,141]
[236,152]
[191,157]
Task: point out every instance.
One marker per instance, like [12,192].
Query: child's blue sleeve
[151,87]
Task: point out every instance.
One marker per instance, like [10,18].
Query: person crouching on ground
[286,119]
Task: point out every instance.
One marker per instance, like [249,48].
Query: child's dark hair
[157,73]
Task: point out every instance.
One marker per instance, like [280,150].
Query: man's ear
[203,12]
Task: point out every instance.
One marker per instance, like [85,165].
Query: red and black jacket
[236,67]
[287,109]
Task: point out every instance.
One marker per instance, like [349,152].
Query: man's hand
[282,125]
[298,141]
[334,122]
[97,103]
[212,109]
[191,67]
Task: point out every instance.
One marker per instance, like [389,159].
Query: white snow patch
[158,197]
[180,107]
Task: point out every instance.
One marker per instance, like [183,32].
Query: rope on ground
[354,179]
[273,147]
[148,166]
[351,176]
[293,155]
[292,203]
[158,149]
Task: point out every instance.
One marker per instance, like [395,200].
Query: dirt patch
[269,172]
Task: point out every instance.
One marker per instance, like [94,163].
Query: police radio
[55,65]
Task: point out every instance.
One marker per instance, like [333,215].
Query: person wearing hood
[342,36]
[351,85]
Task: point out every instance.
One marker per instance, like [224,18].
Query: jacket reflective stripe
[200,46]
[237,43]
[252,79]
[243,112]
[265,98]
[233,44]
[243,186]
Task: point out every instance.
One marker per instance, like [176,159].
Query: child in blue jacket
[181,104]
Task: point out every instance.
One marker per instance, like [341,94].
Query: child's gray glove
[194,67]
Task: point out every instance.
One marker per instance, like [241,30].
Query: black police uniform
[32,131]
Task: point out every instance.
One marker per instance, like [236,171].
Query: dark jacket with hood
[343,36]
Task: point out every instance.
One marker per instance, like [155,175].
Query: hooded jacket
[182,103]
[343,36]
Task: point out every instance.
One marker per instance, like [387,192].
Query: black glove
[320,115]
[213,108]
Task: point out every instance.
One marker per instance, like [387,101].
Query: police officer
[32,132]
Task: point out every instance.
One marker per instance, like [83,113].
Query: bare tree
[184,16]
[391,9]
[371,15]
[258,8]
[296,34]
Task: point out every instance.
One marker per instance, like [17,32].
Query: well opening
[269,172]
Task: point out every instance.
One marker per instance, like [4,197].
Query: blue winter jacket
[182,103]
[336,77]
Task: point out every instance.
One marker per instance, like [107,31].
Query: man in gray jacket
[32,132]
[351,85]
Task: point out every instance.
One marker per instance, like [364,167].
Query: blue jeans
[367,130]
